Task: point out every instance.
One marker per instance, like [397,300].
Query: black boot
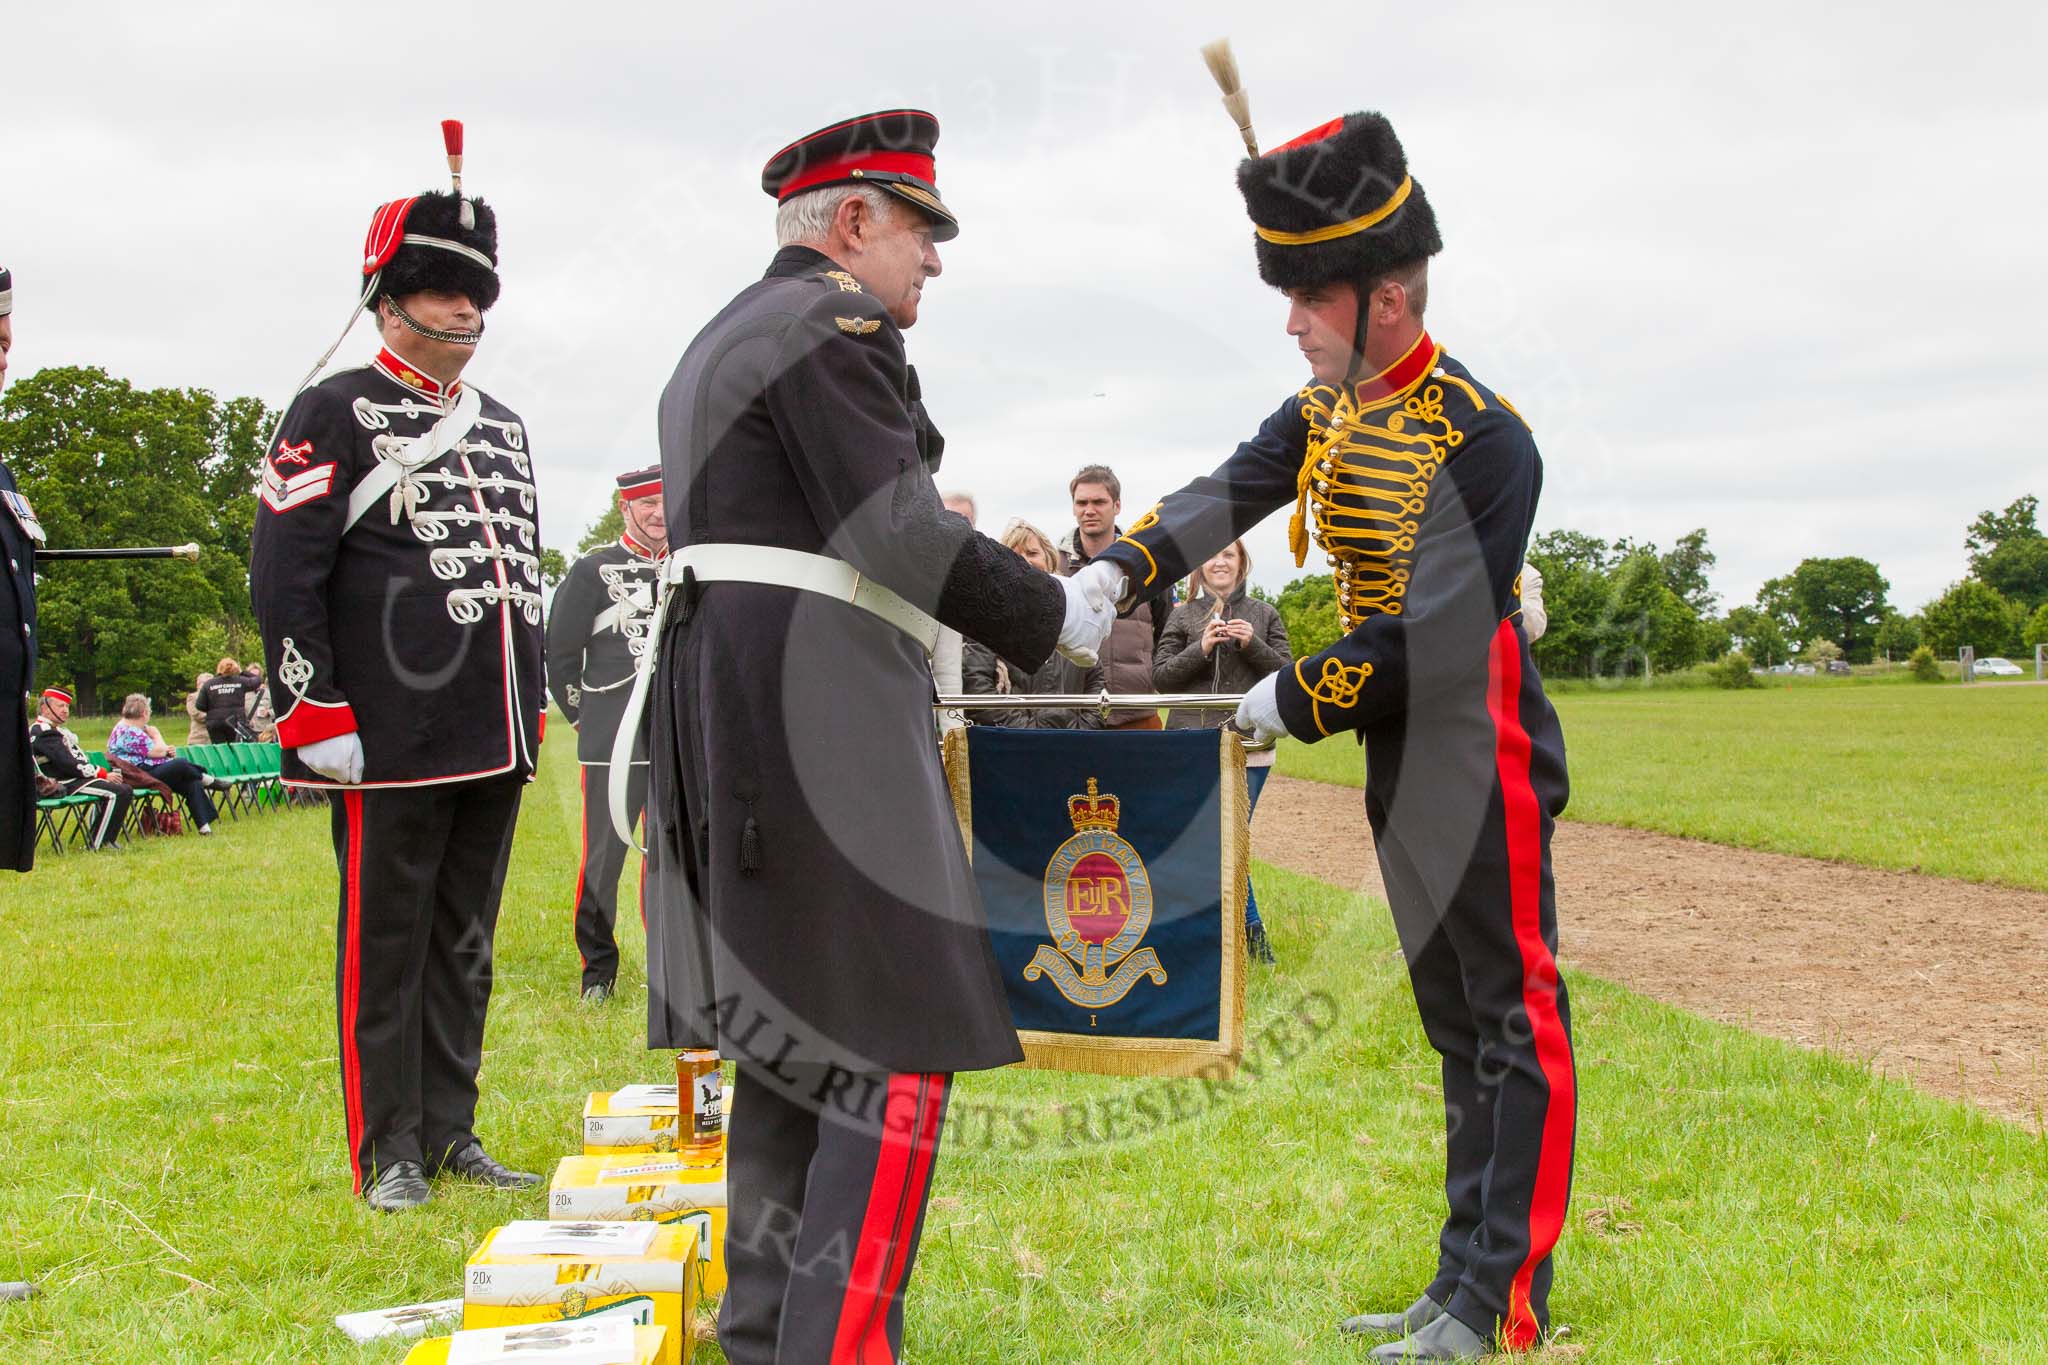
[1445,1338]
[1418,1314]
[401,1185]
[474,1163]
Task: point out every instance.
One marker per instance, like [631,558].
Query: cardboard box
[670,1188]
[639,1118]
[647,1346]
[528,1272]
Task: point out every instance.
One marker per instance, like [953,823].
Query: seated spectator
[224,700]
[982,673]
[1223,640]
[135,741]
[59,758]
[195,719]
[262,719]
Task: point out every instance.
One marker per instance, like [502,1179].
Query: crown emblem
[1092,811]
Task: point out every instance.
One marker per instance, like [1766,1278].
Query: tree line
[1624,608]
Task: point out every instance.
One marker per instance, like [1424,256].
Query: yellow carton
[527,1272]
[640,1118]
[647,1348]
[649,1187]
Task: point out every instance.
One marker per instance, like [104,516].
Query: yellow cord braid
[1364,483]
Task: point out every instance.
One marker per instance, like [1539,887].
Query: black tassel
[750,847]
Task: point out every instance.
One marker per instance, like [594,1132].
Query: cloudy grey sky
[1761,268]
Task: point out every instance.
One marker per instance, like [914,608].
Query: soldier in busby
[19,535]
[396,581]
[1418,483]
[810,909]
[597,634]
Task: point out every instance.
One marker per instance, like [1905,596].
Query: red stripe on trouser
[925,1153]
[583,859]
[1524,829]
[894,1198]
[351,982]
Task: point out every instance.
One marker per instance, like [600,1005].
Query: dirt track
[1944,983]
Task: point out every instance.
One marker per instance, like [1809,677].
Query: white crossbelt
[772,566]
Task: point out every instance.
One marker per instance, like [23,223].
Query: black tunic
[597,633]
[810,898]
[420,626]
[17,677]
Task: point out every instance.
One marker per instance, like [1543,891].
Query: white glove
[340,758]
[1088,620]
[1258,715]
[1104,583]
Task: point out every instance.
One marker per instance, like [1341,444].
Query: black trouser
[597,876]
[422,869]
[1484,969]
[110,815]
[188,780]
[827,1180]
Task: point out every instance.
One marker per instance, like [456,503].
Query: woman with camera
[1222,639]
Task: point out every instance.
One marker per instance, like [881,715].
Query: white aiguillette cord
[422,449]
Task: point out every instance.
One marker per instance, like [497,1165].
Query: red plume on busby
[1336,203]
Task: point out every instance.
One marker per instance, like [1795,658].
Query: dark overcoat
[17,678]
[809,898]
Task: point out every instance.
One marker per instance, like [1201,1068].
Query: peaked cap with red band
[1336,204]
[641,483]
[891,150]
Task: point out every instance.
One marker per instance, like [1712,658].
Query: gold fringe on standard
[1115,1056]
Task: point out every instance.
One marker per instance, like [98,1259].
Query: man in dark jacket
[598,632]
[1420,484]
[1098,495]
[60,757]
[396,579]
[810,908]
[20,533]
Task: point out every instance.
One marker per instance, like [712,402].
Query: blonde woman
[982,673]
[1222,639]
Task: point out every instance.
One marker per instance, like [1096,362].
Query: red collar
[634,547]
[1401,376]
[399,368]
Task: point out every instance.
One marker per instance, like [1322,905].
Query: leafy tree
[1842,600]
[1716,640]
[554,565]
[1759,635]
[1686,566]
[606,529]
[2008,551]
[1970,613]
[2036,632]
[1578,599]
[1821,652]
[1308,606]
[1652,626]
[1924,665]
[1897,636]
[109,464]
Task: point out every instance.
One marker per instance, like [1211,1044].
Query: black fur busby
[1336,203]
[422,265]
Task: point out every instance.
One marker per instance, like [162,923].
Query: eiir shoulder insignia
[845,281]
[858,327]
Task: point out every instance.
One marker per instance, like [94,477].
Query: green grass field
[1948,780]
[173,1171]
